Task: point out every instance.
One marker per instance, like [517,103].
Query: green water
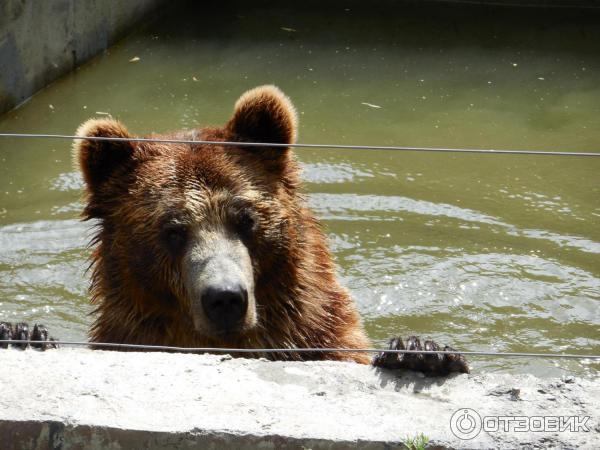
[485,252]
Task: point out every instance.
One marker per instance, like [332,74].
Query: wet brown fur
[137,287]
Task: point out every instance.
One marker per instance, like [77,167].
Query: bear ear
[98,160]
[265,114]
[103,163]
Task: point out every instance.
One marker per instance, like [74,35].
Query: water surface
[486,252]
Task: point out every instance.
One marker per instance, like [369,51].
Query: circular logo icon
[465,423]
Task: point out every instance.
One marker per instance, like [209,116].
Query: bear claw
[6,333]
[21,332]
[431,364]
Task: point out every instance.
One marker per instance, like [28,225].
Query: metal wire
[302,350]
[330,146]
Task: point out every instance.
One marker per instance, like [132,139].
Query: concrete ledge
[78,398]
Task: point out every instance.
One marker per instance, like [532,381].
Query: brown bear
[208,245]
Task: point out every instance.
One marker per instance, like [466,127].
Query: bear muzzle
[219,279]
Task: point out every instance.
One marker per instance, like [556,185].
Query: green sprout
[419,442]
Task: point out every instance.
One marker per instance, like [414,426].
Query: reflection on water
[481,251]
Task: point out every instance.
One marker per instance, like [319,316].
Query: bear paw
[431,364]
[20,332]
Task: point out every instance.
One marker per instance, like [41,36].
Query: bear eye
[245,223]
[175,236]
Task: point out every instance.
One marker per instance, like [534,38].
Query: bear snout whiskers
[225,306]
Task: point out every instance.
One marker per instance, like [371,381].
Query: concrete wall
[78,398]
[40,40]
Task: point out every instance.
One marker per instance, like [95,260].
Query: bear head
[193,233]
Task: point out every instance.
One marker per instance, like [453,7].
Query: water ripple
[349,207]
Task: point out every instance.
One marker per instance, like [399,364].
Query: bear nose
[225,306]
